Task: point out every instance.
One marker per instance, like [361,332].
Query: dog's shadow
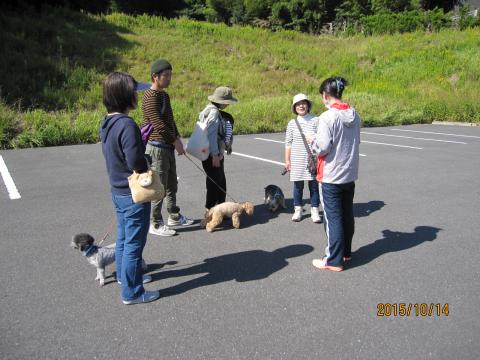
[392,241]
[262,215]
[242,266]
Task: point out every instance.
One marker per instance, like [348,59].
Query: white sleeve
[322,143]
[289,135]
[213,121]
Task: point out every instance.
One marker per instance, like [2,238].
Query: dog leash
[203,171]
[109,230]
[112,223]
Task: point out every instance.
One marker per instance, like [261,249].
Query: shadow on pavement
[243,266]
[392,241]
[261,214]
[365,209]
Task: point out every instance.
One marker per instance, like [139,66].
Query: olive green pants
[163,162]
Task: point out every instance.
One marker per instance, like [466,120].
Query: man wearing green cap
[162,142]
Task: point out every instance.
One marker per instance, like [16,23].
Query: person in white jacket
[219,132]
[337,145]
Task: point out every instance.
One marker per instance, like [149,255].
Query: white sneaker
[182,220]
[162,230]
[146,297]
[297,215]
[316,218]
[146,279]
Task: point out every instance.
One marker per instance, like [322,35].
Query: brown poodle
[215,215]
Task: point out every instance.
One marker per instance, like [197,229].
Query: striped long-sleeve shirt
[299,154]
[157,110]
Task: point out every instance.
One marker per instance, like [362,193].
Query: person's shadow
[365,209]
[392,241]
[243,266]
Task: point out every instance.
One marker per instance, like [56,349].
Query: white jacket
[215,125]
[337,144]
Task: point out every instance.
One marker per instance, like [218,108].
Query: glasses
[301,103]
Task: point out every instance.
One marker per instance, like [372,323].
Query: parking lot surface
[251,293]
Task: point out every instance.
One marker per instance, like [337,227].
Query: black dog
[274,198]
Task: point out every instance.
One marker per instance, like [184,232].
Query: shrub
[408,21]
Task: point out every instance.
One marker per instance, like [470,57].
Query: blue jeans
[298,193]
[132,228]
[337,202]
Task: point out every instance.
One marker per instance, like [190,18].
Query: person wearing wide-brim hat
[222,95]
[296,156]
[219,129]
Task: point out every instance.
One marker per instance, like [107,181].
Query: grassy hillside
[51,68]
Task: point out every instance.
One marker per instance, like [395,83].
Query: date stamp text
[412,309]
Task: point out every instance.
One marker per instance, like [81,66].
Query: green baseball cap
[159,66]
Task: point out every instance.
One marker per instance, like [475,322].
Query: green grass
[51,68]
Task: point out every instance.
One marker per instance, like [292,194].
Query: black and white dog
[98,256]
[274,198]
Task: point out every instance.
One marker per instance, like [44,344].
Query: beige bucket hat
[222,95]
[300,97]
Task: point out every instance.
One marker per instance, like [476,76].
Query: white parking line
[258,158]
[283,142]
[437,133]
[403,146]
[275,141]
[7,179]
[415,138]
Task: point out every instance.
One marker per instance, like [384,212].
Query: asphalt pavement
[252,293]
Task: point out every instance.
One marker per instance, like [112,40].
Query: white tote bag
[198,145]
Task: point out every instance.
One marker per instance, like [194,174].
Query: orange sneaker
[321,264]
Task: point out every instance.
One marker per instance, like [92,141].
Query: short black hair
[119,92]
[333,86]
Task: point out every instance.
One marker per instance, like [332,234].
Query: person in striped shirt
[162,142]
[296,157]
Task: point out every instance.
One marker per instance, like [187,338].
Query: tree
[226,11]
[164,7]
[257,9]
[383,6]
[352,10]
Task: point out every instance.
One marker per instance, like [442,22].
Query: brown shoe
[321,264]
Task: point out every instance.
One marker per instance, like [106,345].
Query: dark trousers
[163,162]
[215,195]
[298,193]
[337,202]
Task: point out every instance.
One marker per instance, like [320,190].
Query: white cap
[300,97]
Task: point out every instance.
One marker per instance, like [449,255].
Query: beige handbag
[146,186]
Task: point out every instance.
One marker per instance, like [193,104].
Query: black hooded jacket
[123,150]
